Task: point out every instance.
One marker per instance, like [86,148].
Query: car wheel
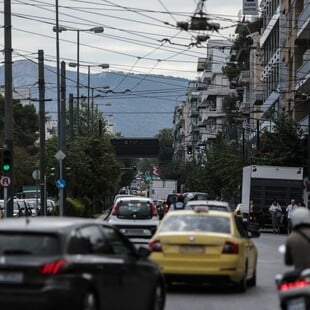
[159,297]
[242,285]
[90,301]
[252,281]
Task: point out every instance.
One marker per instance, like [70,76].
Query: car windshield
[184,223]
[135,209]
[29,244]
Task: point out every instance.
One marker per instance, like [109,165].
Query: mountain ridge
[139,105]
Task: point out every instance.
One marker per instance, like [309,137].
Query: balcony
[204,64]
[244,76]
[303,77]
[304,23]
[258,97]
[202,86]
[194,113]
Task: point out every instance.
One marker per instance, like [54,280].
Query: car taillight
[230,248]
[155,246]
[154,210]
[52,267]
[295,284]
[115,209]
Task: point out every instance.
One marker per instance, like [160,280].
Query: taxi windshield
[185,223]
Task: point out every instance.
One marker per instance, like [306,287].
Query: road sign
[5,181]
[60,155]
[36,175]
[61,183]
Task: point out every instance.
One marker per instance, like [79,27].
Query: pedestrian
[289,210]
[276,214]
[297,246]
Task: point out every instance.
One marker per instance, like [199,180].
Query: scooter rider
[297,252]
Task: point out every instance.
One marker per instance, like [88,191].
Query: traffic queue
[60,262]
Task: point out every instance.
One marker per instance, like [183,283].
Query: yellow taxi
[205,246]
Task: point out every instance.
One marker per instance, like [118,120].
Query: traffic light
[6,160]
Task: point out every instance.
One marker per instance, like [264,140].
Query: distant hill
[141,105]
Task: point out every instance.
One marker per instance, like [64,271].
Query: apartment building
[296,57]
[198,119]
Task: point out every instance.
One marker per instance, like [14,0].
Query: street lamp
[58,29]
[102,66]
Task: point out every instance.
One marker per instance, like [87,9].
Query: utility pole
[63,106]
[42,132]
[78,82]
[257,136]
[8,103]
[88,101]
[61,153]
[71,118]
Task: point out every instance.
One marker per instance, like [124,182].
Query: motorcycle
[293,288]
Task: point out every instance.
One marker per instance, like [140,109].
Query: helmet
[300,216]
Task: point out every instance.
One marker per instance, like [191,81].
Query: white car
[211,204]
[135,216]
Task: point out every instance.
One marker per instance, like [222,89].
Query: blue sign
[61,183]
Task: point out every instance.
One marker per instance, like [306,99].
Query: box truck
[263,184]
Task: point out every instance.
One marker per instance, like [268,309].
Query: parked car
[50,207]
[136,217]
[205,246]
[22,208]
[74,263]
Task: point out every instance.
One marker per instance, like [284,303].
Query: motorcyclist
[297,252]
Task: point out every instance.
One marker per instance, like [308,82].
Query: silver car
[211,204]
[136,217]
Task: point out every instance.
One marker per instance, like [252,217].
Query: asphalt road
[262,297]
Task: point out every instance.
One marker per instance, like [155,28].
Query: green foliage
[230,107]
[25,126]
[165,138]
[224,170]
[231,70]
[95,172]
[75,207]
[284,145]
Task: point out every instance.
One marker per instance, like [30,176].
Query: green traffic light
[6,167]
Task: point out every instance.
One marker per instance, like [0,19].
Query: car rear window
[135,209]
[28,244]
[210,207]
[183,223]
[201,196]
[171,198]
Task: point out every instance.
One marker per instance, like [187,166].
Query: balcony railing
[244,76]
[304,23]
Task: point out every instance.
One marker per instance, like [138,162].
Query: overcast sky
[140,36]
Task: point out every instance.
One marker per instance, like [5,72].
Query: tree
[284,145]
[223,170]
[25,134]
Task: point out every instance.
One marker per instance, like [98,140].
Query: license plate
[192,249]
[296,304]
[134,232]
[11,277]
